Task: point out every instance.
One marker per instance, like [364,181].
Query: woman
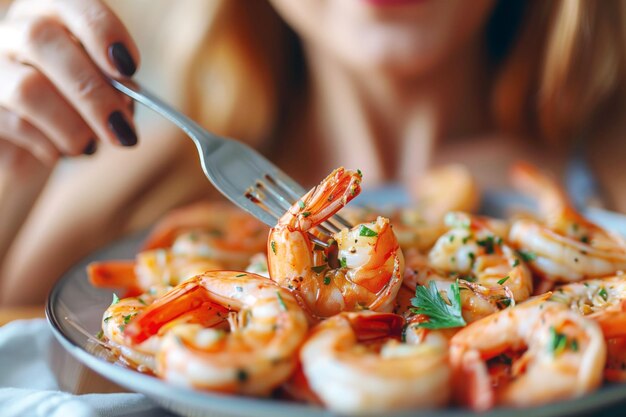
[388,86]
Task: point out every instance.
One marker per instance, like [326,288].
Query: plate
[74,303]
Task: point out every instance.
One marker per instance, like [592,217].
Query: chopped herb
[503,280]
[326,280]
[301,204]
[116,299]
[283,306]
[128,317]
[452,259]
[238,288]
[503,302]
[515,263]
[240,275]
[366,231]
[499,241]
[106,319]
[466,238]
[306,213]
[273,245]
[319,269]
[584,239]
[343,262]
[121,327]
[527,256]
[100,335]
[441,315]
[242,376]
[574,345]
[558,342]
[359,173]
[486,243]
[451,238]
[602,293]
[142,301]
[472,257]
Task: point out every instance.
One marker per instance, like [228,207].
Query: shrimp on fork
[370,260]
[565,247]
[267,326]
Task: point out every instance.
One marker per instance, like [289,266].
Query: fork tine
[288,195]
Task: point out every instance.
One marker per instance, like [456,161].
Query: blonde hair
[567,61]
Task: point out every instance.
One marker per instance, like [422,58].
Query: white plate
[75,299]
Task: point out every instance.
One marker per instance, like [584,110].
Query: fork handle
[138,93]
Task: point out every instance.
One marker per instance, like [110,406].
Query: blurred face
[403,37]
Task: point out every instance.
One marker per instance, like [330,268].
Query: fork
[239,172]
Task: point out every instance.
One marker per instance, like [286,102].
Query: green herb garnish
[319,269]
[366,231]
[487,243]
[273,245]
[527,256]
[116,299]
[503,280]
[602,293]
[240,275]
[326,280]
[343,262]
[283,306]
[441,314]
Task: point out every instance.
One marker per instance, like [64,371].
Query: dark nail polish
[91,147]
[121,128]
[122,60]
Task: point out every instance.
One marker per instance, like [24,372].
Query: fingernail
[91,147]
[122,60]
[122,129]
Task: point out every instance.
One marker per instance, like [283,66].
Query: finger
[45,44]
[29,94]
[98,29]
[21,133]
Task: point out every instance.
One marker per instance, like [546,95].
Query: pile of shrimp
[429,307]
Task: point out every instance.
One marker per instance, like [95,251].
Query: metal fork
[239,172]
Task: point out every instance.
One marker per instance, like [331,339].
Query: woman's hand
[55,57]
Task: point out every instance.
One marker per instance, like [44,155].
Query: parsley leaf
[343,262]
[366,231]
[441,315]
[503,280]
[527,256]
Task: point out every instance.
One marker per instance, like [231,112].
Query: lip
[391,3]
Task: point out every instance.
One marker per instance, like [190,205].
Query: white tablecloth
[28,387]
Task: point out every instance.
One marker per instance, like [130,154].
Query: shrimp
[602,300]
[535,353]
[210,230]
[357,365]
[565,247]
[141,355]
[151,270]
[488,270]
[371,262]
[444,189]
[267,326]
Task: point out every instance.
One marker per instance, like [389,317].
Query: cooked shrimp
[535,353]
[603,300]
[152,270]
[488,270]
[615,369]
[267,326]
[217,231]
[141,355]
[371,261]
[443,189]
[565,247]
[357,365]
